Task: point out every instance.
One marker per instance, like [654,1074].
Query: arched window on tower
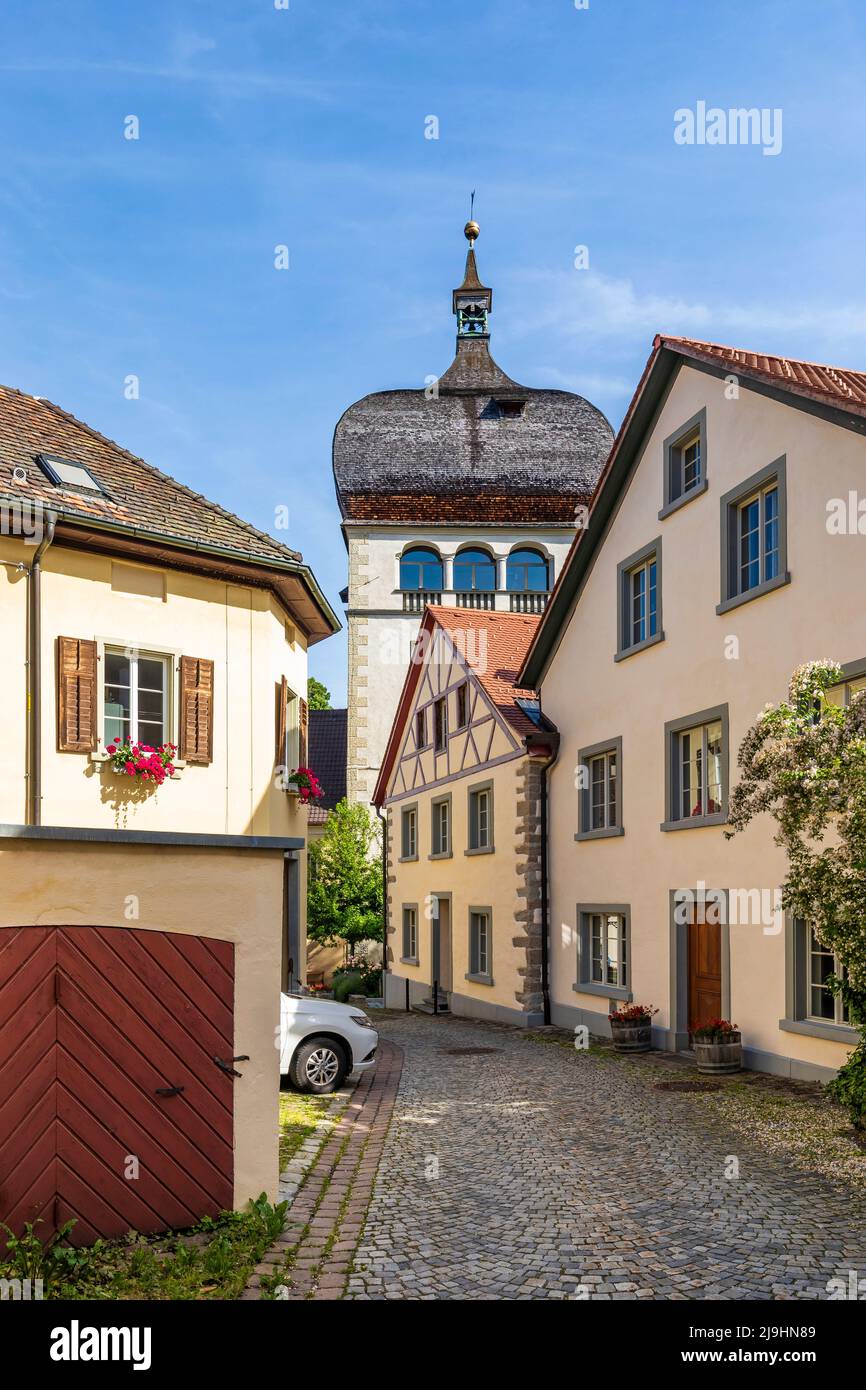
[527,579]
[475,578]
[420,578]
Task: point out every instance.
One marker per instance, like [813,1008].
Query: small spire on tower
[472,301]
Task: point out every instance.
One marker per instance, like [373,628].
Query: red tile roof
[495,654]
[496,659]
[834,385]
[139,495]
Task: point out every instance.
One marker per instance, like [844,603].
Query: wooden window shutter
[76,695]
[302,733]
[196,709]
[282,703]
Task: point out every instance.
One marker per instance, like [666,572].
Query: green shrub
[350,982]
[29,1258]
[272,1218]
[849,1085]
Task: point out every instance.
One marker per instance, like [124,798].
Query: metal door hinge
[227,1066]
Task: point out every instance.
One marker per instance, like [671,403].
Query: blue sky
[305,127]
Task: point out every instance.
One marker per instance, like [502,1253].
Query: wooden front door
[113,1110]
[705,966]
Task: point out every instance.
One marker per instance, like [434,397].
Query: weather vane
[471,230]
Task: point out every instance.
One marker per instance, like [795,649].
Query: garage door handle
[168,1090]
[227,1066]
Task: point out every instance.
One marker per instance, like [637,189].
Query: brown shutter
[302,733]
[282,702]
[196,709]
[76,695]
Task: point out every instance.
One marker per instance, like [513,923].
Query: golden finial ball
[471,230]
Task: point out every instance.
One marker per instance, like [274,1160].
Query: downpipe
[34,667]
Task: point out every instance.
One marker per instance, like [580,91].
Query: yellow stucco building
[460,785]
[145,929]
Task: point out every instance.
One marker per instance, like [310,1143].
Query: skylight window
[67,473]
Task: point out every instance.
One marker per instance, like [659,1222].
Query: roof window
[67,473]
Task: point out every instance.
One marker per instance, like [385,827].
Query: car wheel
[319,1066]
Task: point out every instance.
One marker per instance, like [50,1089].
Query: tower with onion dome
[462,492]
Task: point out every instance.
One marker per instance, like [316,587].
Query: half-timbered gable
[461,787]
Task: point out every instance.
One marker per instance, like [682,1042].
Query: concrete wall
[228,895]
[743,658]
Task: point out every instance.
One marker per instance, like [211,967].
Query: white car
[322,1041]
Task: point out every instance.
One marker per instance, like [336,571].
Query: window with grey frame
[409,833]
[639,600]
[823,1005]
[754,537]
[853,681]
[812,1006]
[604,950]
[410,933]
[480,943]
[697,769]
[600,790]
[685,463]
[441,826]
[421,728]
[481,818]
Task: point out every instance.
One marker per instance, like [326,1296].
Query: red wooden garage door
[95,1024]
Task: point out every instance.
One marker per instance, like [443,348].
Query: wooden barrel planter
[719,1058]
[635,1036]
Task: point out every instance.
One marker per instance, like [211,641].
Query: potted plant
[306,784]
[141,761]
[718,1047]
[631,1027]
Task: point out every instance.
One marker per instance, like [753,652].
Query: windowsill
[409,960]
[478,979]
[639,647]
[814,1028]
[759,590]
[408,859]
[606,833]
[695,822]
[678,502]
[606,991]
[483,849]
[442,854]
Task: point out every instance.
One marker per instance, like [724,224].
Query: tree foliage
[344,891]
[804,763]
[318,695]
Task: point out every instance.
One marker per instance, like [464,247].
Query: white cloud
[583,303]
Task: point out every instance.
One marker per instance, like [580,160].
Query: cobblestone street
[528,1172]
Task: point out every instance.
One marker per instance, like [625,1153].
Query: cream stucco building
[707,573]
[144,930]
[462,492]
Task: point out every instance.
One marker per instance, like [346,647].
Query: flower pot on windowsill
[303,784]
[631,1028]
[718,1052]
